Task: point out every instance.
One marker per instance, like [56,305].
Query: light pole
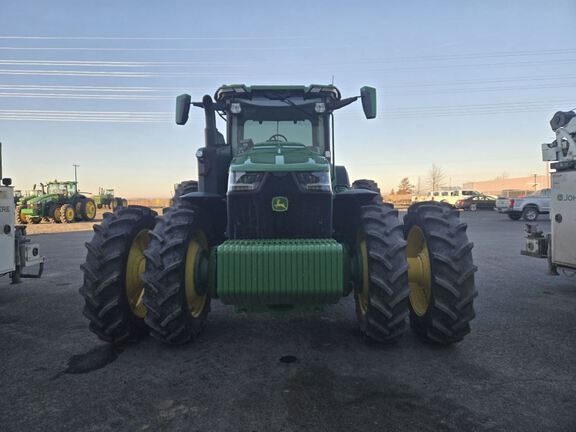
[75,173]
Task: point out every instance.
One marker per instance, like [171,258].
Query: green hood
[41,198]
[279,157]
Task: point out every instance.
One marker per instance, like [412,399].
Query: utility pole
[535,183]
[75,172]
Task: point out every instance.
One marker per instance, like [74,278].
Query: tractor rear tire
[107,304]
[183,188]
[124,202]
[78,210]
[382,293]
[370,185]
[441,299]
[88,209]
[20,218]
[177,304]
[67,213]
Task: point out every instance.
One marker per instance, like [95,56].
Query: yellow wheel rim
[195,301]
[419,271]
[365,285]
[57,214]
[23,217]
[90,210]
[70,214]
[135,266]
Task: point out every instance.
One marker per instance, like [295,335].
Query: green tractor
[274,225]
[61,203]
[106,198]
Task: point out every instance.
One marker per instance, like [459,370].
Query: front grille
[250,214]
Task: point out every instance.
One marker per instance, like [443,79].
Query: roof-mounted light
[235,108]
[320,107]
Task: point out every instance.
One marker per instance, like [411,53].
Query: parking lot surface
[514,372]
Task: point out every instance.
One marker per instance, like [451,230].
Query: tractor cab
[62,188]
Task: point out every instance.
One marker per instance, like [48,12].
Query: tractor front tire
[441,274]
[112,288]
[370,185]
[20,218]
[177,303]
[382,292]
[67,213]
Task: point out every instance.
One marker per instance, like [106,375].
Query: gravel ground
[514,372]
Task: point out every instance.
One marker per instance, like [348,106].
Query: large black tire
[87,209]
[67,213]
[530,213]
[515,216]
[450,307]
[20,220]
[370,185]
[183,188]
[78,209]
[53,213]
[104,288]
[382,313]
[169,315]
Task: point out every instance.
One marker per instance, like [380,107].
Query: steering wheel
[276,136]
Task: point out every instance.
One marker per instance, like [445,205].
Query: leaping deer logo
[279,204]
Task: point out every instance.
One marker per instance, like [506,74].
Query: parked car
[478,202]
[527,207]
[451,196]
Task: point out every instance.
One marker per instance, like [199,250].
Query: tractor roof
[248,92]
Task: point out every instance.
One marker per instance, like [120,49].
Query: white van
[451,196]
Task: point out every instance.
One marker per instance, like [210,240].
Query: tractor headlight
[315,181]
[244,181]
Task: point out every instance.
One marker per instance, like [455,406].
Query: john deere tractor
[275,225]
[106,198]
[62,203]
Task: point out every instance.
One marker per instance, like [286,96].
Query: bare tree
[436,177]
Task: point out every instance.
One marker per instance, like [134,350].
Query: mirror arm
[342,103]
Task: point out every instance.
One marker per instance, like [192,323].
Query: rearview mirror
[368,95]
[182,108]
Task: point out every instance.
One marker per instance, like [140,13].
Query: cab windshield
[311,132]
[299,131]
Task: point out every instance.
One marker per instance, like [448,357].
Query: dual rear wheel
[146,274]
[423,269]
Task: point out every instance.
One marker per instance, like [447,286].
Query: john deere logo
[279,204]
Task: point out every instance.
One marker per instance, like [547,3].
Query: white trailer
[17,252]
[559,247]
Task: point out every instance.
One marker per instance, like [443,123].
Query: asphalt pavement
[516,371]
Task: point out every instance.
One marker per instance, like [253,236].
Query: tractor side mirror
[6,181]
[368,95]
[182,108]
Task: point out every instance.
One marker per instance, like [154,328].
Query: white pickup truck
[527,207]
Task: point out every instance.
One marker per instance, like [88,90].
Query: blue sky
[469,86]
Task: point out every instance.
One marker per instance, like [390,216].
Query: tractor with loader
[274,224]
[62,203]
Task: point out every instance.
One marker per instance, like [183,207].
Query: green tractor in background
[275,225]
[61,203]
[106,198]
